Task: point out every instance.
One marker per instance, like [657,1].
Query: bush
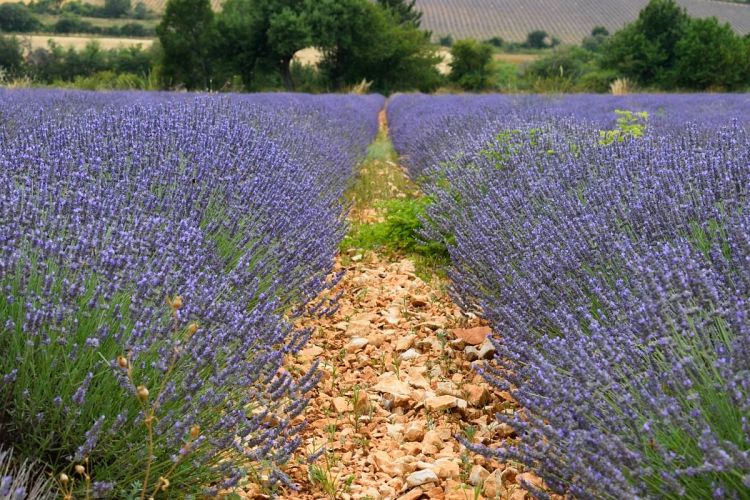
[16,17]
[25,480]
[11,55]
[471,67]
[70,23]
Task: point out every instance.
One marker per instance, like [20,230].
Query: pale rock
[447,389]
[357,344]
[377,339]
[419,301]
[493,485]
[435,493]
[471,353]
[441,403]
[472,336]
[414,432]
[446,468]
[310,353]
[384,463]
[407,464]
[486,350]
[359,328]
[388,383]
[432,438]
[476,395]
[411,495]
[342,405]
[387,491]
[504,430]
[519,494]
[395,431]
[357,258]
[393,316]
[405,342]
[478,475]
[410,355]
[418,478]
[372,493]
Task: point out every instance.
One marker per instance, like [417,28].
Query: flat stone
[411,495]
[418,478]
[414,432]
[476,395]
[472,336]
[486,350]
[410,355]
[441,403]
[405,342]
[342,405]
[493,485]
[478,475]
[357,344]
[530,478]
[446,468]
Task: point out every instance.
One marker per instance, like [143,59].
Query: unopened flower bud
[80,470]
[64,478]
[176,302]
[142,392]
[192,328]
[195,431]
[122,362]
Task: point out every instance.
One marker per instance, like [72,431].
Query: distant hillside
[568,20]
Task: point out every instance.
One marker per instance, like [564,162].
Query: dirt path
[397,383]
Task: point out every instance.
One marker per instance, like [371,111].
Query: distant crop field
[569,21]
[80,41]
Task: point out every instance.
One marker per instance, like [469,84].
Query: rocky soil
[399,382]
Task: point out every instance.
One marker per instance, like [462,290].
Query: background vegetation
[250,45]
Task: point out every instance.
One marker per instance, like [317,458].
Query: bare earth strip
[398,386]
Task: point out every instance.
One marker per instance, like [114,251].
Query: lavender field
[152,247]
[159,252]
[613,259]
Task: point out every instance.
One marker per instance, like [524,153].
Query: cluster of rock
[397,388]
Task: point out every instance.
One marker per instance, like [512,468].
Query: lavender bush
[616,274]
[21,481]
[152,248]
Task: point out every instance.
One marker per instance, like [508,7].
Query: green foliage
[538,39]
[186,33]
[116,8]
[565,64]
[404,11]
[399,232]
[361,40]
[109,80]
[16,17]
[11,56]
[709,55]
[446,41]
[644,50]
[630,124]
[258,35]
[471,67]
[64,65]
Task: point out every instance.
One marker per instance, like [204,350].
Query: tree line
[254,41]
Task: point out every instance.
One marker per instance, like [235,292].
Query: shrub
[471,67]
[16,17]
[22,481]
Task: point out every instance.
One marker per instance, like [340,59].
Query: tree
[404,11]
[710,54]
[361,40]
[537,39]
[471,67]
[11,55]
[16,17]
[599,31]
[186,35]
[116,8]
[644,50]
[258,34]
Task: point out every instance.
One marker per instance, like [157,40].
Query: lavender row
[152,248]
[616,275]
